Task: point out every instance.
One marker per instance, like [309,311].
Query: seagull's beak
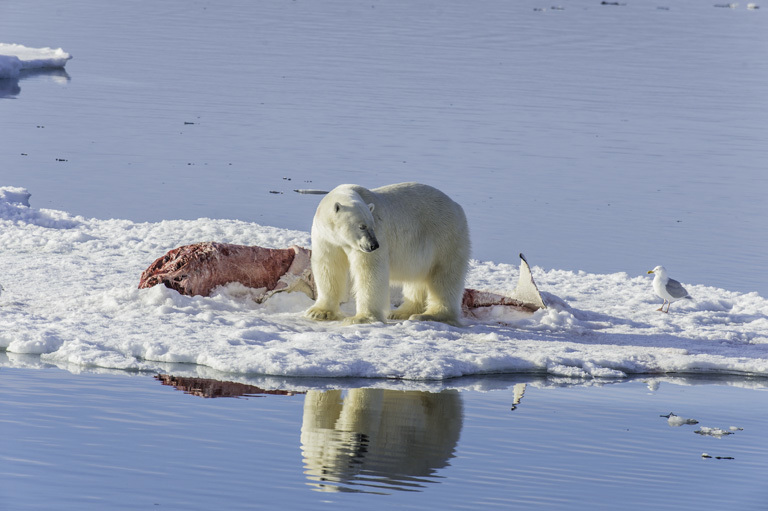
[650,271]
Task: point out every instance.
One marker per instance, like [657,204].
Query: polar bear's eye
[363,227]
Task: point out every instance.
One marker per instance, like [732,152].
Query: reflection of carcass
[198,269]
[376,440]
[204,387]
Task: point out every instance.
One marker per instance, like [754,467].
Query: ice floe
[15,57]
[70,296]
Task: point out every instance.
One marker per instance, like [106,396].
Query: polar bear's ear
[371,206]
[337,207]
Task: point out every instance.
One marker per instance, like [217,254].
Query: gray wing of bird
[675,289]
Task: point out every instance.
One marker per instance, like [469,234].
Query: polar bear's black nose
[370,243]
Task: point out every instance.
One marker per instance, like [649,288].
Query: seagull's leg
[662,305]
[668,304]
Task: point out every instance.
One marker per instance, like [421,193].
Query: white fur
[388,431]
[423,244]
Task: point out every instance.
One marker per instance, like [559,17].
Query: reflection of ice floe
[9,87]
[378,441]
[717,432]
[734,5]
[58,76]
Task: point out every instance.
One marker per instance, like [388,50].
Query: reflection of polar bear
[407,233]
[376,437]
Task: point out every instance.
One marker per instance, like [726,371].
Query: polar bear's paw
[398,315]
[407,309]
[441,318]
[320,314]
[361,319]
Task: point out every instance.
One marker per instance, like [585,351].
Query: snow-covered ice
[70,295]
[16,57]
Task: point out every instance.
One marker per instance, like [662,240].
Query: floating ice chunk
[677,421]
[15,57]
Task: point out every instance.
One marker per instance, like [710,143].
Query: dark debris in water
[708,456]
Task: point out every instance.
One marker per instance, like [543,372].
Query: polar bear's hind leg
[445,291]
[414,301]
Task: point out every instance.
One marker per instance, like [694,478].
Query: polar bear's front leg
[370,282]
[330,268]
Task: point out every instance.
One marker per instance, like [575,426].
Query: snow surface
[70,295]
[15,57]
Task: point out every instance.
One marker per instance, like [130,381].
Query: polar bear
[409,233]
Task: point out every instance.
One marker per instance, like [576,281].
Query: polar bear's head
[348,220]
[355,225]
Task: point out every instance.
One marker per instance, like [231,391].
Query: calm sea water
[97,441]
[596,138]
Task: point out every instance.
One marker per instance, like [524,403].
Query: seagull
[668,289]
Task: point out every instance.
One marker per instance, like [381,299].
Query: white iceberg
[15,57]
